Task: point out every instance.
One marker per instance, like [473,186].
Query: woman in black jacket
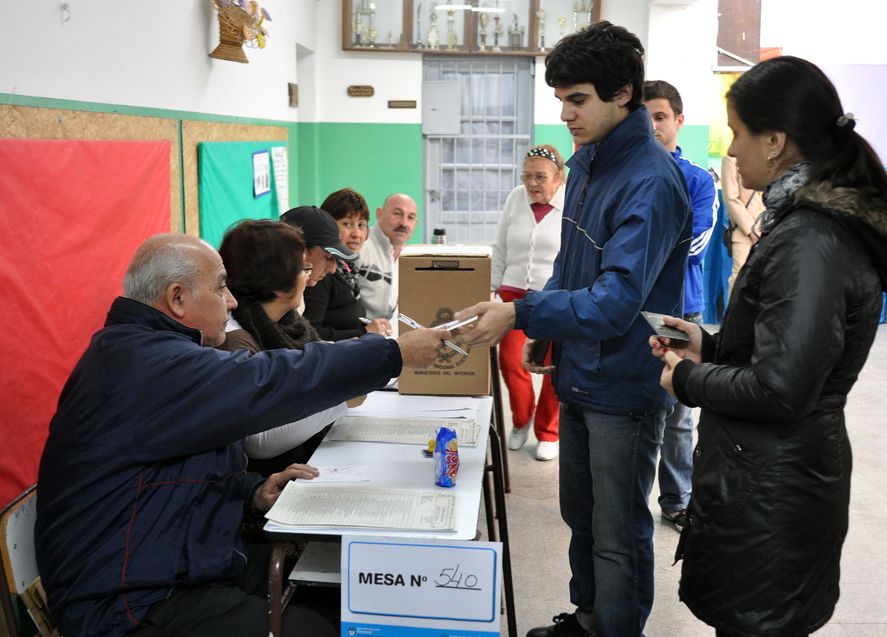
[771,483]
[333,305]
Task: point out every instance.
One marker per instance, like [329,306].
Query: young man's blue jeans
[676,461]
[607,467]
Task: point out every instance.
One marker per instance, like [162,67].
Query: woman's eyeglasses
[539,178]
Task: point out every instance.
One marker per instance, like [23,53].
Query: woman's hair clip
[846,122]
[543,152]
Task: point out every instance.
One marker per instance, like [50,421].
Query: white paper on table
[379,404]
[410,431]
[305,505]
[345,473]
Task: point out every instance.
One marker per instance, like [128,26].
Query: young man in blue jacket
[624,242]
[676,455]
[143,482]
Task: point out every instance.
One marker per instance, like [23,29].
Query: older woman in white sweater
[523,257]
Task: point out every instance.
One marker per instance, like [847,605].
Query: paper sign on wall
[398,588]
[280,162]
[261,173]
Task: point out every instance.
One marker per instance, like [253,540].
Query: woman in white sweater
[523,257]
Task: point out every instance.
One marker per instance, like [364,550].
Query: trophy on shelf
[433,37]
[452,38]
[541,15]
[576,7]
[562,22]
[515,34]
[357,27]
[484,19]
[371,31]
[497,31]
[419,26]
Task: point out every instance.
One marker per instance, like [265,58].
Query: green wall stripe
[693,140]
[373,159]
[557,135]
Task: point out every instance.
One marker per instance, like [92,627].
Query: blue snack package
[446,457]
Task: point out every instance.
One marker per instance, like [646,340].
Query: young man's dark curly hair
[607,56]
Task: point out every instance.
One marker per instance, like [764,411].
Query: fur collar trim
[850,202]
[864,213]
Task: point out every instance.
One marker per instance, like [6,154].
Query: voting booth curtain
[72,214]
[226,182]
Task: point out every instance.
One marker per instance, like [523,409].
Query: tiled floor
[539,538]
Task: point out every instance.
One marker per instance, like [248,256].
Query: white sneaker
[547,450]
[518,437]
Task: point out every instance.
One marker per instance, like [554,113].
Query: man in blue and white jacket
[676,456]
[624,243]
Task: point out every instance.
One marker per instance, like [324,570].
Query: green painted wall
[558,135]
[373,159]
[693,141]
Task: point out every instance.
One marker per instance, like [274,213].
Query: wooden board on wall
[195,132]
[31,122]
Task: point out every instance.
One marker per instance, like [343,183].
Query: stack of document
[400,429]
[304,505]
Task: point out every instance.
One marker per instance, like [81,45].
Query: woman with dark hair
[771,482]
[333,305]
[267,275]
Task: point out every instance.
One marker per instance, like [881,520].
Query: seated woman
[333,305]
[266,273]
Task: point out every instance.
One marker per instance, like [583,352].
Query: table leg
[501,513]
[275,589]
[498,417]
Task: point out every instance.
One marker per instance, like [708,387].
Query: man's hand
[532,366]
[357,401]
[419,348]
[266,495]
[496,320]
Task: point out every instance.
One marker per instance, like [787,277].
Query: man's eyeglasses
[539,178]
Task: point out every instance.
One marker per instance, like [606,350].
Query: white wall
[155,54]
[394,76]
[826,31]
[150,54]
[681,50]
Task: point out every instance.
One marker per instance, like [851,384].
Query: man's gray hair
[159,262]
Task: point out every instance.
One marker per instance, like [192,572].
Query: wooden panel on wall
[30,122]
[195,132]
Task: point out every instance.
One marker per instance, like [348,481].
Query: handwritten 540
[454,578]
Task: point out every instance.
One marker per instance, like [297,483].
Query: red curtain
[71,215]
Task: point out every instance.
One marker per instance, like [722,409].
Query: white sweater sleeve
[500,245]
[274,442]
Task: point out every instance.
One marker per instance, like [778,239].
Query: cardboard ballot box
[436,281]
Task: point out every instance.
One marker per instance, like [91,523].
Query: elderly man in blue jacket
[624,243]
[143,482]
